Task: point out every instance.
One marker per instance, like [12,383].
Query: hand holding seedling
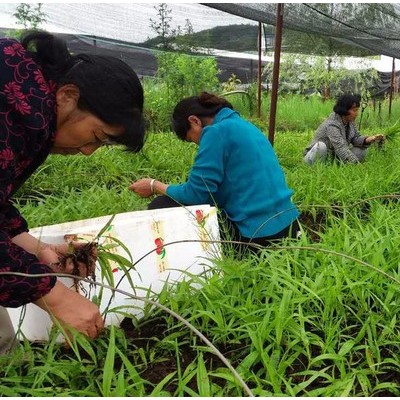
[375,138]
[74,258]
[147,187]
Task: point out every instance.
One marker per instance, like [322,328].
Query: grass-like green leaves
[393,131]
[313,317]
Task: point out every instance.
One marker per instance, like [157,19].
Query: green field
[314,317]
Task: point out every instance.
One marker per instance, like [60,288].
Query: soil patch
[153,330]
[314,224]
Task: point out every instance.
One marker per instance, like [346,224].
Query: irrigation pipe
[332,252]
[390,196]
[255,245]
[185,322]
[335,253]
[384,196]
[156,304]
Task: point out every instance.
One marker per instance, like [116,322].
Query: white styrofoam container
[141,232]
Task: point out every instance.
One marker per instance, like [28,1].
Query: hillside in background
[244,37]
[239,38]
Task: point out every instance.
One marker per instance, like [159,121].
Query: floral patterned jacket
[27,130]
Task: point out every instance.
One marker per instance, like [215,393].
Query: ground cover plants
[313,317]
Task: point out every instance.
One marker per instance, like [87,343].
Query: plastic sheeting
[372,26]
[129,22]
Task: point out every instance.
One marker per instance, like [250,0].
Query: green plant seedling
[393,131]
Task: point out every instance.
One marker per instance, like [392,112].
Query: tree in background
[177,39]
[184,39]
[305,74]
[178,75]
[30,15]
[162,26]
[186,75]
[333,47]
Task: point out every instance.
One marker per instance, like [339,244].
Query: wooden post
[275,76]
[391,86]
[259,72]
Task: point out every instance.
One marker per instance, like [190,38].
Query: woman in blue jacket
[235,169]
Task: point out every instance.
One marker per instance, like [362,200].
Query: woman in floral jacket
[53,102]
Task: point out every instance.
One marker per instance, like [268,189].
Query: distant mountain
[239,38]
[244,38]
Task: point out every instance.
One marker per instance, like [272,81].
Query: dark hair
[108,87]
[345,102]
[205,105]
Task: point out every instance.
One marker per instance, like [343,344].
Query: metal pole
[259,73]
[275,76]
[391,87]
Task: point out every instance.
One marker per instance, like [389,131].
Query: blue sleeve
[206,174]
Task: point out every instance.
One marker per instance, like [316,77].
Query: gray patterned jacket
[338,138]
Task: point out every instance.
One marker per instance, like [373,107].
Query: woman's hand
[147,187]
[59,256]
[48,255]
[376,138]
[143,187]
[72,310]
[63,257]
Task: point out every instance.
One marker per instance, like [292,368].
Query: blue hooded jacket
[237,170]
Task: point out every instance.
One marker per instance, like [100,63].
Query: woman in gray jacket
[337,137]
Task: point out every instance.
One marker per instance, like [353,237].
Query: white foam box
[166,246]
